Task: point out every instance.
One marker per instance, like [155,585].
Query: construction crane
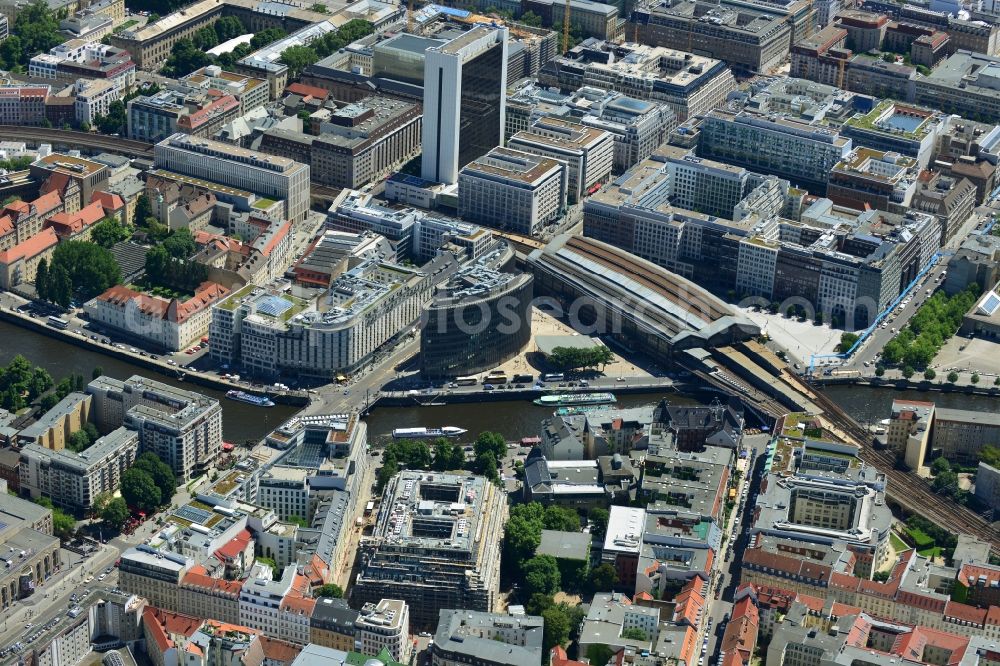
[565,44]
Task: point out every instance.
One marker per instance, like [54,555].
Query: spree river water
[513,419]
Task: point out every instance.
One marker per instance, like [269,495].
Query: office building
[266,62]
[183,428]
[513,190]
[73,479]
[252,92]
[433,235]
[170,324]
[689,84]
[592,19]
[587,153]
[486,639]
[266,175]
[869,178]
[788,148]
[891,127]
[966,84]
[464,97]
[196,112]
[437,545]
[477,321]
[92,99]
[385,626]
[637,126]
[362,142]
[89,176]
[977,261]
[270,332]
[23,104]
[959,434]
[333,252]
[948,198]
[753,38]
[30,554]
[84,59]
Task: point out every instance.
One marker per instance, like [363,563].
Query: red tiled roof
[300,605]
[559,658]
[40,242]
[108,200]
[69,224]
[969,575]
[278,650]
[205,582]
[234,546]
[965,612]
[172,310]
[307,91]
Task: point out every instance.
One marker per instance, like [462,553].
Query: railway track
[911,492]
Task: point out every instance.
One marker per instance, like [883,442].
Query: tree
[996,382]
[101,500]
[389,469]
[975,377]
[634,634]
[36,30]
[538,603]
[116,121]
[205,38]
[78,441]
[599,517]
[929,374]
[447,455]
[42,279]
[524,532]
[298,58]
[265,37]
[907,372]
[486,465]
[952,377]
[109,231]
[879,371]
[847,341]
[599,654]
[180,244]
[572,358]
[541,574]
[556,627]
[603,577]
[945,481]
[160,472]
[98,371]
[83,268]
[139,490]
[185,58]
[115,513]
[298,520]
[143,209]
[490,442]
[319,8]
[269,562]
[228,27]
[560,519]
[990,455]
[63,524]
[329,590]
[532,19]
[940,465]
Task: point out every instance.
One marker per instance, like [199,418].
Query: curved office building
[479,321]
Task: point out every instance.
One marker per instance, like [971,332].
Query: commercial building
[30,553]
[23,104]
[752,37]
[788,148]
[869,178]
[977,261]
[354,212]
[897,128]
[437,545]
[513,190]
[464,101]
[333,252]
[73,479]
[183,428]
[593,19]
[486,639]
[385,626]
[689,84]
[332,624]
[170,324]
[84,59]
[361,142]
[433,235]
[202,113]
[252,92]
[909,430]
[269,332]
[676,314]
[265,175]
[587,153]
[966,84]
[477,321]
[948,198]
[266,62]
[92,99]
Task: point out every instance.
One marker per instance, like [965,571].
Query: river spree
[240,421]
[514,419]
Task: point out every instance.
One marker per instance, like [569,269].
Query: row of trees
[573,358]
[168,271]
[77,268]
[148,484]
[187,55]
[442,455]
[935,322]
[298,58]
[35,31]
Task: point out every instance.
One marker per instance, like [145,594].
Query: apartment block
[689,84]
[155,117]
[587,153]
[385,626]
[22,104]
[514,190]
[53,429]
[486,639]
[183,428]
[252,92]
[84,59]
[73,479]
[265,175]
[93,98]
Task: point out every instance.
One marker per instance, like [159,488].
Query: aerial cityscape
[499,333]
